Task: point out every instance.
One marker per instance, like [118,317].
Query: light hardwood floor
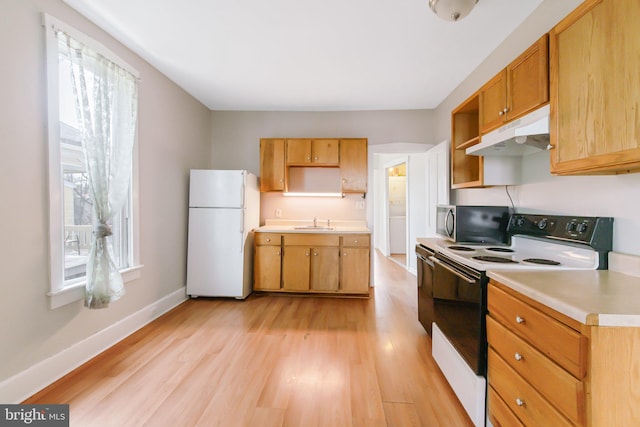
[271,361]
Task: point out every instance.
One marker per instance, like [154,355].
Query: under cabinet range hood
[527,135]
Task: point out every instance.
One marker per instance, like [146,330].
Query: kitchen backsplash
[350,207]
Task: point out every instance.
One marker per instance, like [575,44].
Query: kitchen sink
[313,227]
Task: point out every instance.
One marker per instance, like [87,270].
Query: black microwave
[473,224]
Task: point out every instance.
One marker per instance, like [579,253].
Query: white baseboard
[28,382]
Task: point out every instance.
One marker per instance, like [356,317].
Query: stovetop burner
[460,248]
[499,259]
[541,261]
[505,250]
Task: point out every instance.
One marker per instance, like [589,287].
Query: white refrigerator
[224,209]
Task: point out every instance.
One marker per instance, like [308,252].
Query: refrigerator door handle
[241,230]
[243,193]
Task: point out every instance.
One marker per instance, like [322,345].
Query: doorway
[396,218]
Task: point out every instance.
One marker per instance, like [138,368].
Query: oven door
[425,287]
[459,307]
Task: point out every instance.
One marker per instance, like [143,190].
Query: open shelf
[466,171]
[469,143]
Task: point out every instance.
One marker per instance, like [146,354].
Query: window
[71,203]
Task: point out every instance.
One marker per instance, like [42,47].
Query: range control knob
[542,224]
[519,221]
[582,227]
[571,226]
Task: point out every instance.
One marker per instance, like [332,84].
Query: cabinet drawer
[305,239]
[268,239]
[556,384]
[563,345]
[528,405]
[499,412]
[356,240]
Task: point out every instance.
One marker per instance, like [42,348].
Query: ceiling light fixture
[452,10]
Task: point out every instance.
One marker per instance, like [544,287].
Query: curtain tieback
[102,230]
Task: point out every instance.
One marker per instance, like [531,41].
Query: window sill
[76,291]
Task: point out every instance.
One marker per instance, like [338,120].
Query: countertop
[336,227]
[592,297]
[431,242]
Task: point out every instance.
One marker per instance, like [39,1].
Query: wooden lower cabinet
[296,266]
[267,267]
[310,269]
[546,369]
[499,412]
[267,264]
[355,263]
[522,399]
[313,263]
[324,274]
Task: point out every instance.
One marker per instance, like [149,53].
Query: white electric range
[522,253]
[459,288]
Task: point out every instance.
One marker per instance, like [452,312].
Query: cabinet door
[296,268]
[354,271]
[267,268]
[272,166]
[493,102]
[521,398]
[595,117]
[325,151]
[528,80]
[325,263]
[298,151]
[353,165]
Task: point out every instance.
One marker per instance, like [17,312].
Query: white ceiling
[309,55]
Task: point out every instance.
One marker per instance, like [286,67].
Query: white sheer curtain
[106,101]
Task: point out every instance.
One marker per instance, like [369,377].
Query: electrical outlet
[360,204]
[278,213]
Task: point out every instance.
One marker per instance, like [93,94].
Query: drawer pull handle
[518,356]
[268,239]
[519,401]
[519,319]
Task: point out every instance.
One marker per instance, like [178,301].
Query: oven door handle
[460,274]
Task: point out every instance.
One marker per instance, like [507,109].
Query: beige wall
[174,136]
[615,196]
[236,137]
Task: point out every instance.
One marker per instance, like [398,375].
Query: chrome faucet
[315,221]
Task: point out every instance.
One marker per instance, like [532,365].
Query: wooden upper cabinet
[518,89]
[302,152]
[353,165]
[272,165]
[493,102]
[528,80]
[325,151]
[595,88]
